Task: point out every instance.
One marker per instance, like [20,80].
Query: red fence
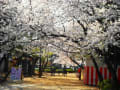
[90,76]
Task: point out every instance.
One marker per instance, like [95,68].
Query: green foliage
[37,69]
[59,70]
[44,54]
[69,70]
[47,70]
[50,54]
[34,50]
[35,55]
[105,85]
[19,47]
[43,58]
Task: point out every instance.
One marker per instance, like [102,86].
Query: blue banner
[15,73]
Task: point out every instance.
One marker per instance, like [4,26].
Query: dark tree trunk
[40,68]
[24,67]
[4,68]
[97,68]
[6,65]
[33,66]
[5,78]
[113,71]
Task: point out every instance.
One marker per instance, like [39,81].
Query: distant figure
[79,73]
[64,71]
[53,70]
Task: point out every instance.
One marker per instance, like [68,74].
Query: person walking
[64,71]
[79,73]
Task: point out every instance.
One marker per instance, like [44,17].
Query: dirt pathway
[69,82]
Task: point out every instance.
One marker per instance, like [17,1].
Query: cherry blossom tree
[99,21]
[72,26]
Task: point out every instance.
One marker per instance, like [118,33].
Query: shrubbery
[105,85]
[57,70]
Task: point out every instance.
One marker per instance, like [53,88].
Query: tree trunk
[113,71]
[97,68]
[45,65]
[40,68]
[33,66]
[5,78]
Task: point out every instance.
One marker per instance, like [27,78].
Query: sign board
[15,73]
